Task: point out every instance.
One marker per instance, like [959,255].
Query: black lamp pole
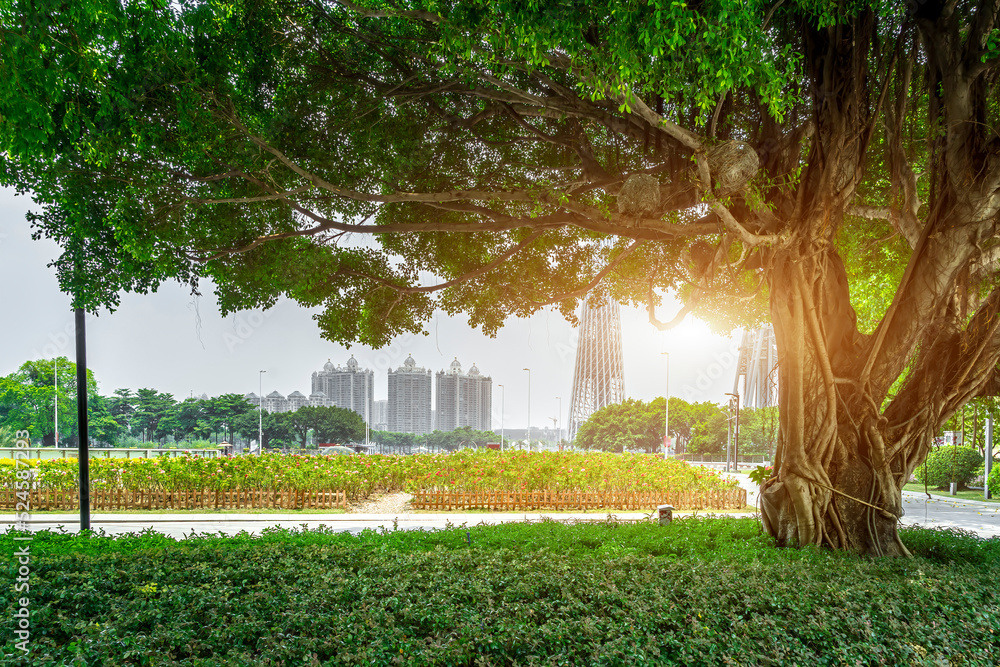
[81,411]
[736,438]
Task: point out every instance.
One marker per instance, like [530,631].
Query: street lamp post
[529,406]
[56,399]
[559,427]
[82,417]
[503,393]
[666,410]
[988,462]
[729,432]
[736,436]
[260,412]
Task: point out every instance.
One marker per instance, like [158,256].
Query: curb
[951,499]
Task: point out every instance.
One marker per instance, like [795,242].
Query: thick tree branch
[684,136]
[585,289]
[285,194]
[975,42]
[926,288]
[475,273]
[691,304]
[364,12]
[951,370]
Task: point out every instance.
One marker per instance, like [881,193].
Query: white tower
[599,375]
[758,365]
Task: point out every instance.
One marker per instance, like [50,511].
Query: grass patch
[702,591]
[966,494]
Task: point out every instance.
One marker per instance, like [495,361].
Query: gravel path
[389,503]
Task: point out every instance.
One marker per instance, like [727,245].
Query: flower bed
[359,476]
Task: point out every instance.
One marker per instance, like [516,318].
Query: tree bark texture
[833,484]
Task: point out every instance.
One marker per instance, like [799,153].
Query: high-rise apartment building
[296,400]
[344,387]
[380,415]
[275,402]
[463,399]
[348,387]
[409,403]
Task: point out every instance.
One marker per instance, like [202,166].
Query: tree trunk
[833,481]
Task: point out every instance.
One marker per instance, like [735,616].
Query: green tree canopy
[688,419]
[333,424]
[461,437]
[758,430]
[276,432]
[710,435]
[28,400]
[620,427]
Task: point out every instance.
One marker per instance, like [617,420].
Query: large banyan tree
[830,167]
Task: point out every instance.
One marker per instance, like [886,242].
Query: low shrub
[696,592]
[760,474]
[993,481]
[948,464]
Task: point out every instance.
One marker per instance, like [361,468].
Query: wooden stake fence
[123,499]
[433,499]
[500,501]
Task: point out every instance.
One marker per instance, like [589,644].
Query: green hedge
[993,481]
[949,464]
[698,592]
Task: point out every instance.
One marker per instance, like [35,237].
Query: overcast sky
[174,343]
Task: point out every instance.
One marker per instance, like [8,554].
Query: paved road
[177,525]
[981,517]
[940,511]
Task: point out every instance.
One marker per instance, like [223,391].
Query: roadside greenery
[944,465]
[702,591]
[359,476]
[969,421]
[29,396]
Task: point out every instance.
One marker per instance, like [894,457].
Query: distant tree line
[460,438]
[697,428]
[150,418]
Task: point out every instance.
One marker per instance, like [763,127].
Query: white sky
[168,342]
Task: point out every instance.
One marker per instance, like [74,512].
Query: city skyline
[182,345]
